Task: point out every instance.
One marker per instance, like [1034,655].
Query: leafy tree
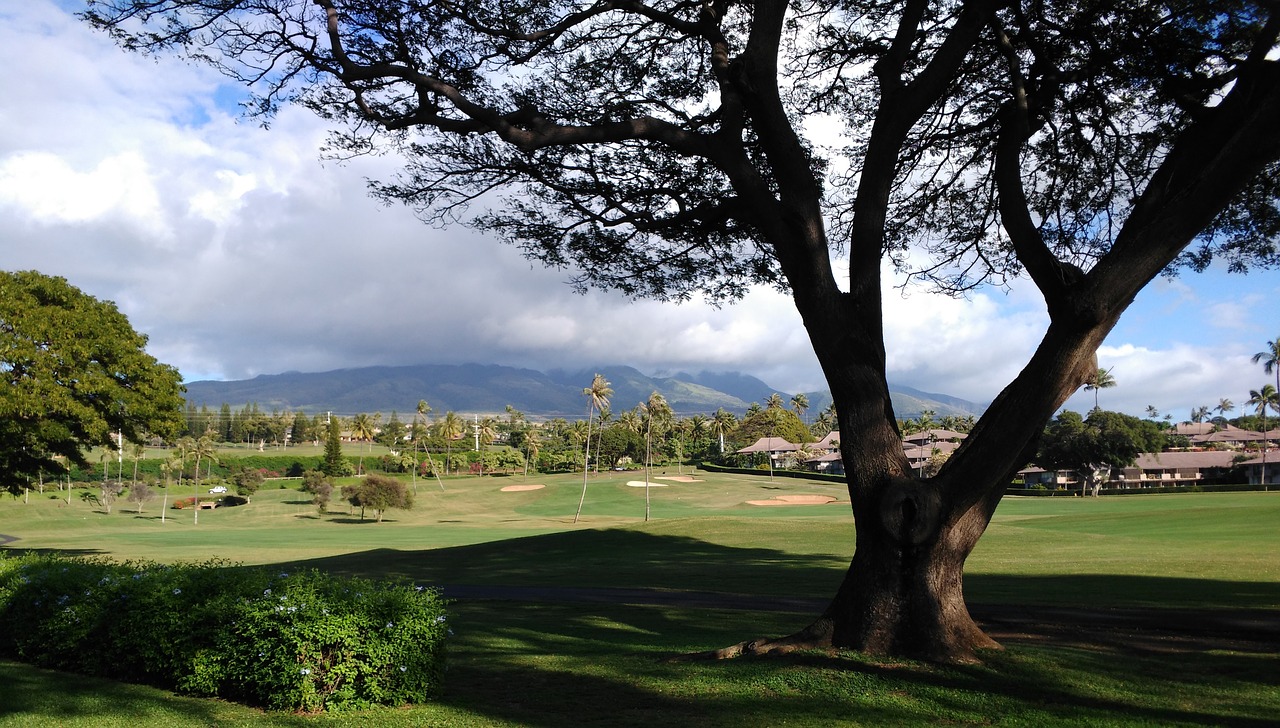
[393,433]
[660,149]
[140,493]
[247,482]
[597,395]
[1091,447]
[72,372]
[772,423]
[378,493]
[319,486]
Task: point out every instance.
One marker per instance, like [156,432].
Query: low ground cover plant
[306,641]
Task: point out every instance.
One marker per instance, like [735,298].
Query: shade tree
[74,376]
[661,149]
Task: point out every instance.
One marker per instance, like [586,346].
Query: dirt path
[1121,630]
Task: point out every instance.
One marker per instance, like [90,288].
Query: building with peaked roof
[1262,471]
[777,449]
[934,435]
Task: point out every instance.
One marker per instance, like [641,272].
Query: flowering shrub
[306,641]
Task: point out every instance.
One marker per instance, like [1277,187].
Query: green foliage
[378,493]
[333,464]
[772,422]
[247,481]
[305,641]
[1105,439]
[72,372]
[320,487]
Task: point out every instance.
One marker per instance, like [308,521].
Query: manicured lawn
[517,663]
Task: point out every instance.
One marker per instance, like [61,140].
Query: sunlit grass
[519,663]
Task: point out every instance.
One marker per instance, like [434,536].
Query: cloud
[239,253]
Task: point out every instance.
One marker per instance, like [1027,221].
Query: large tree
[662,149]
[74,375]
[1093,447]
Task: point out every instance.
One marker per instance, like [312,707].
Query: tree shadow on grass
[631,558]
[537,664]
[46,697]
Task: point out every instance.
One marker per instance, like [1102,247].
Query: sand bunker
[680,478]
[641,484]
[511,488]
[795,500]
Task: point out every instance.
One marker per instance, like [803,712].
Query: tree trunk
[904,591]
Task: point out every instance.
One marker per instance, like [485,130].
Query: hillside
[487,388]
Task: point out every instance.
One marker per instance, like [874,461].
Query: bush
[305,642]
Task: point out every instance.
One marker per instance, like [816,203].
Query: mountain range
[489,388]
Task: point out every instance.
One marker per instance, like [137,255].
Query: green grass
[516,663]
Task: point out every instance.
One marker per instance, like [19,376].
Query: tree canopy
[74,372]
[672,148]
[1103,440]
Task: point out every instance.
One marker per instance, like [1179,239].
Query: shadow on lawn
[624,558]
[543,665]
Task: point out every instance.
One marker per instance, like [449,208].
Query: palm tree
[773,401]
[597,395]
[363,428]
[1262,399]
[1270,359]
[1199,413]
[136,453]
[721,422]
[202,449]
[1224,406]
[415,434]
[604,417]
[655,409]
[630,419]
[532,443]
[450,428]
[800,405]
[1101,379]
[485,433]
[1154,413]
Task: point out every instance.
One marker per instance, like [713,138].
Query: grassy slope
[528,664]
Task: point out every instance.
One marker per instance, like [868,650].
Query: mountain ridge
[490,388]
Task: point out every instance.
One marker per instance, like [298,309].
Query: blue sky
[239,253]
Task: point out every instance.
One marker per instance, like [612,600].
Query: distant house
[1227,436]
[1263,473]
[1174,468]
[1150,470]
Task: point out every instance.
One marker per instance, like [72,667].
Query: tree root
[803,640]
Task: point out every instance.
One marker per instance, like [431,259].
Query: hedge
[306,641]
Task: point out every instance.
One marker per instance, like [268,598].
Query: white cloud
[239,253]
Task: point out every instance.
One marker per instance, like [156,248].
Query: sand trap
[795,500]
[680,478]
[641,484]
[511,488]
